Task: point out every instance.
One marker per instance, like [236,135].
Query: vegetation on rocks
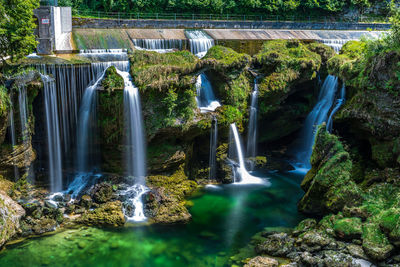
[166,201]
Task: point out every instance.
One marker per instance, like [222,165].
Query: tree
[395,21]
[17,25]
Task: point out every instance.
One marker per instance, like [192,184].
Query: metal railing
[224,17]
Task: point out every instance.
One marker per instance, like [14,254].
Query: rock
[329,186]
[10,216]
[375,243]
[276,245]
[102,193]
[304,226]
[356,251]
[314,238]
[308,259]
[335,258]
[348,228]
[50,204]
[44,225]
[81,245]
[260,261]
[86,201]
[108,214]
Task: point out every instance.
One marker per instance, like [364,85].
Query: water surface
[224,220]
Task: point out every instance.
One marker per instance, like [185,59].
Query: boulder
[108,214]
[276,245]
[10,216]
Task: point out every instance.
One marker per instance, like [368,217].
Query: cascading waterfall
[53,133]
[158,45]
[318,115]
[241,175]
[339,102]
[135,143]
[13,137]
[85,130]
[336,44]
[252,130]
[213,149]
[23,114]
[206,100]
[199,42]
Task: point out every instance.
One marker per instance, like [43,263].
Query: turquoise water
[224,220]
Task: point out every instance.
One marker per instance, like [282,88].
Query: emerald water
[224,220]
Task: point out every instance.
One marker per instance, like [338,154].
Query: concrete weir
[241,40]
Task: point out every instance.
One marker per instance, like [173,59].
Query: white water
[213,149]
[339,102]
[199,42]
[252,130]
[13,137]
[206,100]
[158,45]
[135,142]
[336,44]
[318,115]
[242,176]
[53,133]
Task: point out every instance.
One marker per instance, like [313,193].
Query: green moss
[228,115]
[227,60]
[283,64]
[375,243]
[112,80]
[152,70]
[4,101]
[348,228]
[176,185]
[329,184]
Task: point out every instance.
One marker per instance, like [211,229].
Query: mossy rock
[112,80]
[329,184]
[107,215]
[389,221]
[375,243]
[348,228]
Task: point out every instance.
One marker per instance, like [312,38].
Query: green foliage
[220,6]
[4,101]
[348,228]
[228,114]
[17,24]
[112,80]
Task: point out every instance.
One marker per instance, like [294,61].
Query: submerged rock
[260,261]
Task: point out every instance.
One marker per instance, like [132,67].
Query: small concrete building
[54,27]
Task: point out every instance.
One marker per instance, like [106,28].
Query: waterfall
[206,100]
[318,115]
[53,133]
[158,45]
[199,42]
[135,143]
[252,130]
[339,102]
[336,44]
[241,175]
[13,137]
[213,149]
[85,129]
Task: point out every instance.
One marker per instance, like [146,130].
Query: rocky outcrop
[166,201]
[328,185]
[10,216]
[108,214]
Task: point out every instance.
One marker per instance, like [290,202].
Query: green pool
[224,220]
